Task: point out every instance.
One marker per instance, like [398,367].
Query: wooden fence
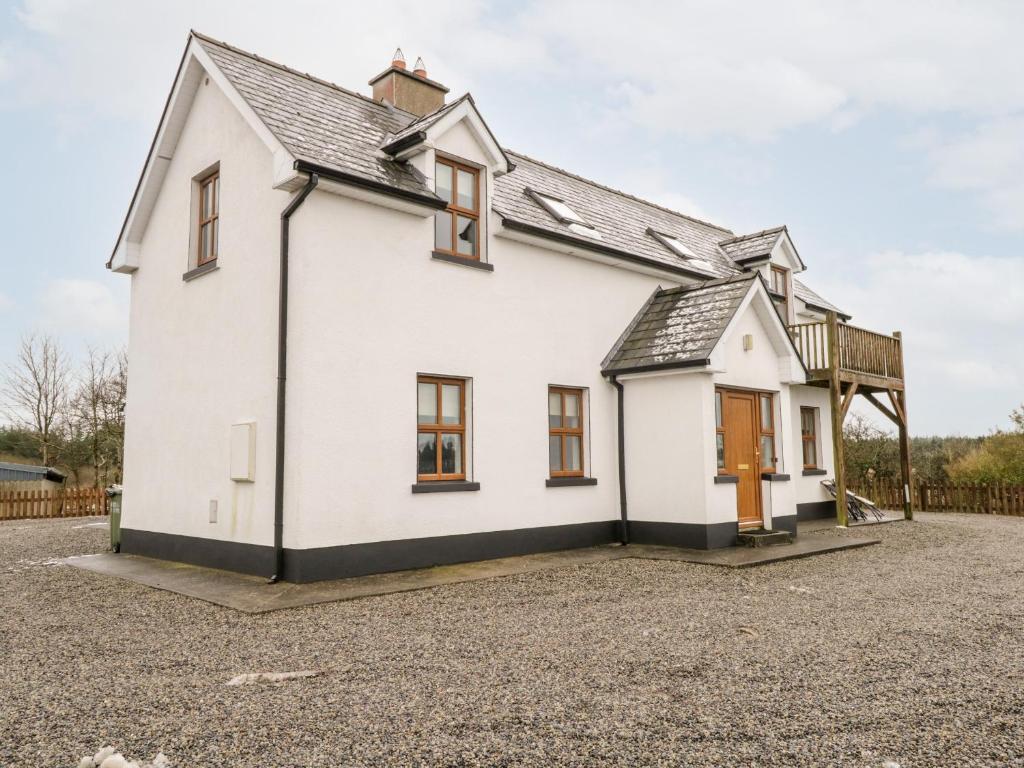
[61,502]
[987,499]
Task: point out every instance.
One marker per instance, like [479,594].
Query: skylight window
[679,248]
[559,209]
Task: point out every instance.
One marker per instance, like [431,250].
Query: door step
[759,537]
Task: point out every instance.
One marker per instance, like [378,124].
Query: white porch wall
[667,428]
[202,354]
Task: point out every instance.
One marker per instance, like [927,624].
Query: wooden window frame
[720,428]
[784,273]
[809,437]
[564,432]
[763,432]
[211,180]
[457,210]
[438,429]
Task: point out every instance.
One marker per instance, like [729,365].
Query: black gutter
[658,367]
[343,177]
[623,511]
[282,375]
[591,245]
[414,138]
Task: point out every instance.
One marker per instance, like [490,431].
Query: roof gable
[684,327]
[678,327]
[425,132]
[763,246]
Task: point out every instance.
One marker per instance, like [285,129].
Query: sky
[889,137]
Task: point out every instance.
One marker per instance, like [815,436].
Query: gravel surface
[910,652]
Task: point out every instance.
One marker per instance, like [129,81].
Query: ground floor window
[440,428]
[565,431]
[809,435]
[767,448]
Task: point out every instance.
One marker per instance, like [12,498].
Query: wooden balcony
[872,360]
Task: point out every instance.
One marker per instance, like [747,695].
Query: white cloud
[697,68]
[988,159]
[961,319]
[83,307]
[6,302]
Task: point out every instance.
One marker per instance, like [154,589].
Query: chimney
[411,91]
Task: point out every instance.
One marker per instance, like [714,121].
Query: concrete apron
[252,594]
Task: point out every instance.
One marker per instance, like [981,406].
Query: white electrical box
[243,452]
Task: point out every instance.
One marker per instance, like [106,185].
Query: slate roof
[318,121]
[815,300]
[622,220]
[423,123]
[752,246]
[678,326]
[325,124]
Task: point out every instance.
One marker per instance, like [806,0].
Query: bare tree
[88,411]
[36,390]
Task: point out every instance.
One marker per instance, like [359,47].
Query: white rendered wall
[202,354]
[375,310]
[667,423]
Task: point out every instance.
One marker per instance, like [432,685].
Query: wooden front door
[739,417]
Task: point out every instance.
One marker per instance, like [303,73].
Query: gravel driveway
[909,652]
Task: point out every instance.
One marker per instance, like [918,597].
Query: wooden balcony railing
[858,351]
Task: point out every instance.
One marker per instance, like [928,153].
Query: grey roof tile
[622,220]
[679,326]
[752,246]
[318,121]
[325,124]
[816,300]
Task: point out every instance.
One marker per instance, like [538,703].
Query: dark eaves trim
[351,179]
[417,137]
[658,367]
[606,250]
[282,376]
[750,259]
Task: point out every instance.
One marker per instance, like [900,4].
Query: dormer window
[457,227]
[780,285]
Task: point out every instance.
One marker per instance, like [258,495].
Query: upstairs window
[809,436]
[780,285]
[457,228]
[440,428]
[209,218]
[565,432]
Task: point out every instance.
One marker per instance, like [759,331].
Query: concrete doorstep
[252,594]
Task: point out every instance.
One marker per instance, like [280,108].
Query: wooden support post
[836,408]
[899,401]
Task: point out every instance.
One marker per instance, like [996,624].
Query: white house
[366,337]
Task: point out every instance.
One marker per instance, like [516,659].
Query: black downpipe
[624,522]
[282,375]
